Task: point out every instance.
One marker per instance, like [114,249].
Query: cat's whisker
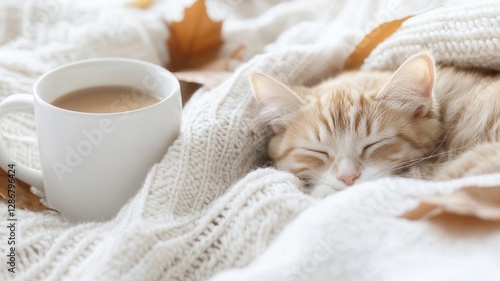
[410,163]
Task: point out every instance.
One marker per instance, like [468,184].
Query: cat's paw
[321,191]
[482,159]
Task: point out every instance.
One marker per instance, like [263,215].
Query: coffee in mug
[106,99]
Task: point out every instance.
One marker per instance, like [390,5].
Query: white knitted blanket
[209,206]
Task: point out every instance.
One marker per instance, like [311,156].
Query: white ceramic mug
[92,163]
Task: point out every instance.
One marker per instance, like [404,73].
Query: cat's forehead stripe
[357,121]
[324,117]
[345,113]
[368,127]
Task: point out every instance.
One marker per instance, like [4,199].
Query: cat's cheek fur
[291,166]
[321,191]
[275,147]
[327,178]
[372,173]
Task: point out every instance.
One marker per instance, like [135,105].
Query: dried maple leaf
[366,46]
[211,74]
[195,40]
[24,199]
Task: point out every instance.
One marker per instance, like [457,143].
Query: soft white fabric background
[207,207]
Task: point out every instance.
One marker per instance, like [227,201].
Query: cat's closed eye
[322,152]
[371,145]
[367,147]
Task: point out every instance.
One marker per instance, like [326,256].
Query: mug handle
[19,103]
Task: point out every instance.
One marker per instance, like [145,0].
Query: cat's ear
[276,99]
[411,86]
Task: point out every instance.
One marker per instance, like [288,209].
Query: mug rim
[171,76]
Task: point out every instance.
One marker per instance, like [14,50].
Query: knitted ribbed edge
[465,36]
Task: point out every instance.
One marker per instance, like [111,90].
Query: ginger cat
[360,126]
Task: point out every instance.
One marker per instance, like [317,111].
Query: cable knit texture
[209,205]
[462,36]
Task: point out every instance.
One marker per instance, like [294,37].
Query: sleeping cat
[360,126]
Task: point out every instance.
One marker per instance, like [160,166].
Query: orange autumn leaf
[482,203]
[143,4]
[209,75]
[372,40]
[195,40]
[212,74]
[24,199]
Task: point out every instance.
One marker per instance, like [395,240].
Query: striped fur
[361,126]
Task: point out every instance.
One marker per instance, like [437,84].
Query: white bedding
[208,206]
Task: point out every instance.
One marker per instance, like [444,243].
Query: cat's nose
[349,179]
